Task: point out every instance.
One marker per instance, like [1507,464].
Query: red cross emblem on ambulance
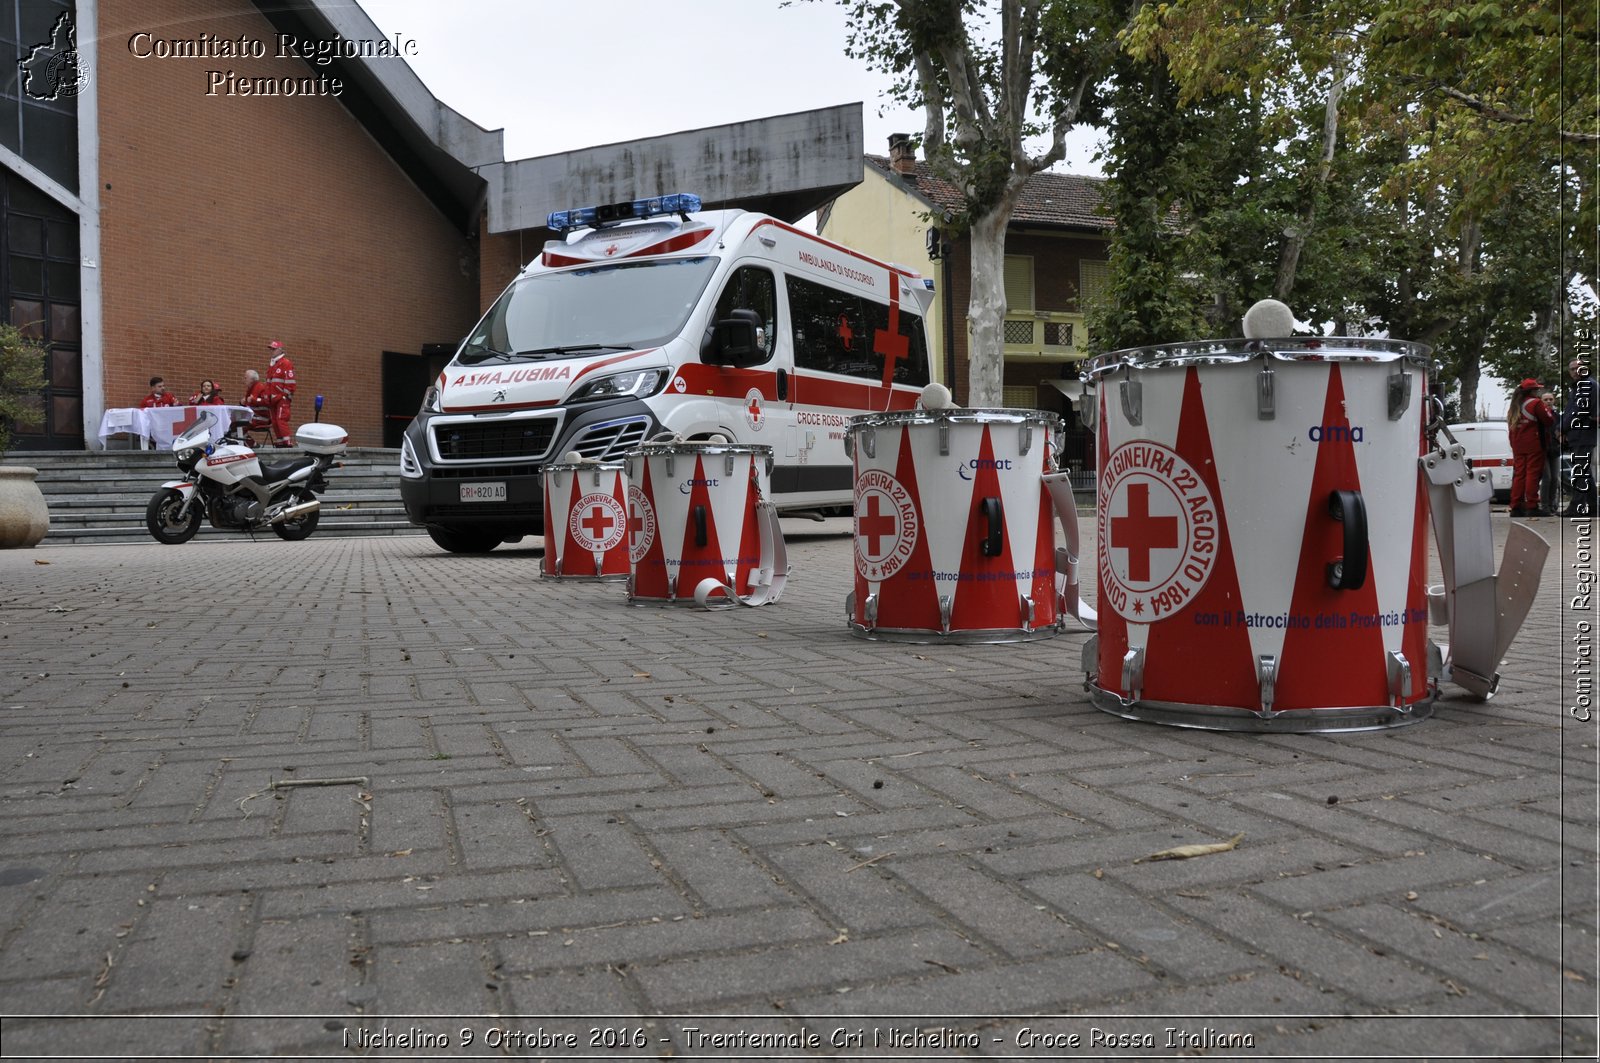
[754,415]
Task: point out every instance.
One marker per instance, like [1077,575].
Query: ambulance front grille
[612,439]
[522,439]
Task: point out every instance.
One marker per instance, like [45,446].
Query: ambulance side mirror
[734,340]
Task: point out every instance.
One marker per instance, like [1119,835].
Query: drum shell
[586,521]
[928,487]
[1216,527]
[693,511]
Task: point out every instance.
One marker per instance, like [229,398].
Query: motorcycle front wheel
[295,530]
[161,516]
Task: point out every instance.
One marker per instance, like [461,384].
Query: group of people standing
[272,398]
[1538,437]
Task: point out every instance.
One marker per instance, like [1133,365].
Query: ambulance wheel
[464,542]
[294,530]
[161,518]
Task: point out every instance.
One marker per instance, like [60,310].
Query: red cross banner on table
[162,424]
[955,526]
[701,529]
[585,521]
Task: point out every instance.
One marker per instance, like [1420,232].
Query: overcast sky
[558,75]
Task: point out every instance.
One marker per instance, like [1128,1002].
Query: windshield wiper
[488,352]
[573,349]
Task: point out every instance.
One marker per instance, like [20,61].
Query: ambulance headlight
[430,400]
[638,383]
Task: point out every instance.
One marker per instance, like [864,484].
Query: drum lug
[558,566]
[629,586]
[869,441]
[1267,679]
[1266,394]
[1089,406]
[1024,439]
[1089,659]
[1436,669]
[1399,680]
[850,445]
[555,477]
[672,586]
[869,611]
[727,465]
[1133,675]
[1132,401]
[669,464]
[633,468]
[597,477]
[1399,392]
[1027,613]
[946,603]
[944,438]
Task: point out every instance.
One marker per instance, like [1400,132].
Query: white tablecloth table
[160,425]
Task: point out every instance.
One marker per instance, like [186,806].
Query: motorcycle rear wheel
[295,530]
[162,520]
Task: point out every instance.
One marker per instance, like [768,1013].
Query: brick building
[184,180]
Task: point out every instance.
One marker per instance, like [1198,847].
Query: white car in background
[1488,446]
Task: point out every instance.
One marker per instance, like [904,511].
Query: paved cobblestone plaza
[661,832]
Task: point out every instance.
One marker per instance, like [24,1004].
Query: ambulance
[651,317]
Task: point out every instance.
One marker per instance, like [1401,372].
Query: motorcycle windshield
[197,434]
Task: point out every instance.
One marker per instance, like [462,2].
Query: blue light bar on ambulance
[585,217]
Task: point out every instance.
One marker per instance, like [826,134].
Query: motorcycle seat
[273,471]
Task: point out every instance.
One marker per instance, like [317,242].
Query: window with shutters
[1094,282]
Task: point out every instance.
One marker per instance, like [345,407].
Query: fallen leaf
[842,938]
[1185,852]
[38,562]
[401,852]
[641,675]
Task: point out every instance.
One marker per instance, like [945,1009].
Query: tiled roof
[1048,199]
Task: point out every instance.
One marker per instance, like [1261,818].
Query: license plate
[487,492]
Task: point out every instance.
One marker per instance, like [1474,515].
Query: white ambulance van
[649,317]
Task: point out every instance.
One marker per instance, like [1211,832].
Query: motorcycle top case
[321,438]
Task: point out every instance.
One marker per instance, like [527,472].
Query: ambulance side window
[839,332]
[752,288]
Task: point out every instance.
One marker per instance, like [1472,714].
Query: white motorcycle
[226,482]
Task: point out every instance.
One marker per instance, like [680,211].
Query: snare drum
[586,521]
[954,528]
[1261,546]
[696,513]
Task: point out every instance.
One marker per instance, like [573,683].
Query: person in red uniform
[1527,419]
[255,397]
[280,392]
[208,395]
[159,395]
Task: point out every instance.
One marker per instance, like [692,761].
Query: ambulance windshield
[613,306]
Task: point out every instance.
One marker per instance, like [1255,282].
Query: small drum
[700,528]
[586,521]
[1262,555]
[954,527]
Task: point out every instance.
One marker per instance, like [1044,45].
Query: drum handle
[1349,571]
[699,525]
[994,537]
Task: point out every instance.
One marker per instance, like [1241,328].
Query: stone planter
[24,518]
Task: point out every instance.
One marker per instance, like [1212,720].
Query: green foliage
[1457,203]
[21,380]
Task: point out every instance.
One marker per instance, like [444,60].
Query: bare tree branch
[1500,114]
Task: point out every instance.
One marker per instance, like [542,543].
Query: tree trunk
[986,310]
[1468,375]
[1295,235]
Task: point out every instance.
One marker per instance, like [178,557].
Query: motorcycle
[226,482]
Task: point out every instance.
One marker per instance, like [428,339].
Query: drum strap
[1485,609]
[1067,557]
[766,581]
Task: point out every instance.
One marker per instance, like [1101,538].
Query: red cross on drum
[954,527]
[1261,550]
[585,521]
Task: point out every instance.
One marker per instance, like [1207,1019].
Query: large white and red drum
[585,521]
[954,527]
[1261,546]
[694,514]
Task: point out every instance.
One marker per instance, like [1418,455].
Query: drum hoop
[960,415]
[658,450]
[583,466]
[1238,352]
